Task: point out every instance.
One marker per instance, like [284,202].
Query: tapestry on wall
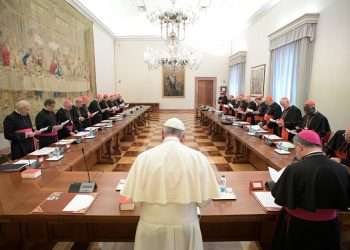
[173,81]
[46,50]
[257,80]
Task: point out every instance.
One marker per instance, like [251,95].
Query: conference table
[243,219]
[245,148]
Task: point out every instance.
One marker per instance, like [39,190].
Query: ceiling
[216,25]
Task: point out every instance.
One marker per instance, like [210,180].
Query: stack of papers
[43,151]
[281,152]
[25,162]
[82,134]
[99,125]
[79,203]
[55,158]
[65,142]
[267,201]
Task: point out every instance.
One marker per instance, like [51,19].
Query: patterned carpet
[196,137]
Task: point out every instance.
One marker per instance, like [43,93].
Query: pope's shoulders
[155,150]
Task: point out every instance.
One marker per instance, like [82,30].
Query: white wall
[138,84]
[330,84]
[104,60]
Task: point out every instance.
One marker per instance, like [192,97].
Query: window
[236,80]
[291,59]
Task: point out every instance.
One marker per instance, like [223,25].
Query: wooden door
[205,91]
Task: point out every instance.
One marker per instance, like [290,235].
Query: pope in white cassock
[169,182]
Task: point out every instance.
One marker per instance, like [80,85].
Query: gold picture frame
[173,82]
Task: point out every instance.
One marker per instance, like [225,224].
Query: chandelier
[175,18]
[174,56]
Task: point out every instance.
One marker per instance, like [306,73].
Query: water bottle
[222,184]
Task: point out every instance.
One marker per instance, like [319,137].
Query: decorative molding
[260,13]
[88,14]
[309,18]
[238,57]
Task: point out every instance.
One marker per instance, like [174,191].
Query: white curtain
[236,80]
[291,71]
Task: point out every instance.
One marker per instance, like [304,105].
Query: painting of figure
[173,81]
[257,80]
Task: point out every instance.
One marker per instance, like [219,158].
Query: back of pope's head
[174,127]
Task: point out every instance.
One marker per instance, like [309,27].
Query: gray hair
[173,131]
[21,104]
[301,141]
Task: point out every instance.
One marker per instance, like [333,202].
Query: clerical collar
[18,113]
[171,138]
[317,153]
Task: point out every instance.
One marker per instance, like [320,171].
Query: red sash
[50,134]
[341,154]
[318,215]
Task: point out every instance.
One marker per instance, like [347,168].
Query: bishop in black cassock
[19,131]
[46,119]
[290,119]
[63,115]
[315,121]
[94,107]
[338,148]
[311,191]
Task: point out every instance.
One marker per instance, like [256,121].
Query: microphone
[83,187]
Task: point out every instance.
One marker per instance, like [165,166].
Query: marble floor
[196,137]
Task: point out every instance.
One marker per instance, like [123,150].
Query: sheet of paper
[281,152]
[43,151]
[65,122]
[93,114]
[230,105]
[82,134]
[266,199]
[120,185]
[25,162]
[55,158]
[65,141]
[274,174]
[294,132]
[79,203]
[43,129]
[91,129]
[273,137]
[226,196]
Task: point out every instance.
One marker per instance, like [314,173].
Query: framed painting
[173,82]
[257,80]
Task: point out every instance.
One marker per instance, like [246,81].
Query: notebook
[63,203]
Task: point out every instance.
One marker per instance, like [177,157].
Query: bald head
[23,107]
[268,100]
[67,104]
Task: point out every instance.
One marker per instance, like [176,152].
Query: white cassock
[170,181]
